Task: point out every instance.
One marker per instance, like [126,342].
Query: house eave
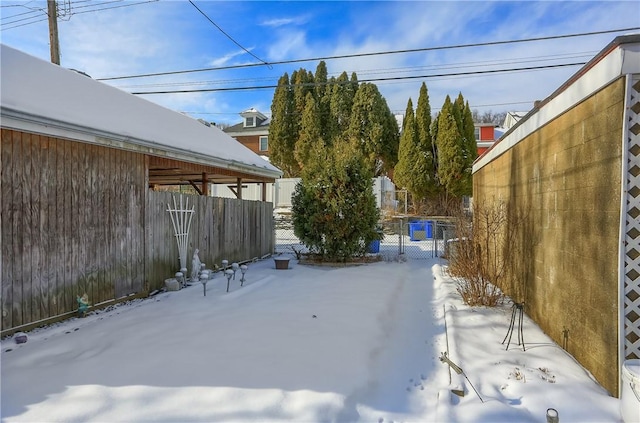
[21,121]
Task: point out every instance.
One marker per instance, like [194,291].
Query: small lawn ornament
[243,269]
[229,274]
[204,278]
[83,304]
[234,267]
[196,265]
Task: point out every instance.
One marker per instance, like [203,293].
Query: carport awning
[164,171]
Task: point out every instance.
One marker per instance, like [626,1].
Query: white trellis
[630,301]
[181,216]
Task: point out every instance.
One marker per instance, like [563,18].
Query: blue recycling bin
[420,230]
[374,247]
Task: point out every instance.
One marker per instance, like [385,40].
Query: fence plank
[7,159]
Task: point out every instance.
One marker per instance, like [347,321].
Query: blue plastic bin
[420,230]
[374,247]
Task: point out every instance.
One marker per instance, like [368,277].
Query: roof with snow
[41,97]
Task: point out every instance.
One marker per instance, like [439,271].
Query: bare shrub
[484,252]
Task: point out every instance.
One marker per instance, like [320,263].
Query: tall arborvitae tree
[302,84]
[426,143]
[322,97]
[404,172]
[470,146]
[310,132]
[340,104]
[451,160]
[372,128]
[282,138]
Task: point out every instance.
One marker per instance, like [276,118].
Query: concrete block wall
[567,175]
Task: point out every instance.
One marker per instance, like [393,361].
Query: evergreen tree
[310,132]
[451,160]
[302,82]
[373,129]
[333,207]
[404,172]
[470,146]
[320,79]
[434,137]
[322,97]
[340,105]
[281,134]
[426,145]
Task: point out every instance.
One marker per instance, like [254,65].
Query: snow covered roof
[38,96]
[620,57]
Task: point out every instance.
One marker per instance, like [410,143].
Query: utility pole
[53,31]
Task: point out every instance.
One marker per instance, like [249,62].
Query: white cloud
[285,21]
[287,44]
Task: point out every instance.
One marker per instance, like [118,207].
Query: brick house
[486,135]
[252,132]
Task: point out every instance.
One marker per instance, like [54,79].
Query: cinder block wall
[567,175]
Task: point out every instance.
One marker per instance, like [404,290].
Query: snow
[308,344]
[42,90]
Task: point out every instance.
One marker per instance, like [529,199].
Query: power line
[30,12]
[381,71]
[26,23]
[266,87]
[114,7]
[68,16]
[348,56]
[226,35]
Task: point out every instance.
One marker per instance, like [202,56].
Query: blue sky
[167,35]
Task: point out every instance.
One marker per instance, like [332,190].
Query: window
[264,143]
[250,122]
[477,132]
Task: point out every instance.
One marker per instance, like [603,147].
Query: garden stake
[516,308]
[458,370]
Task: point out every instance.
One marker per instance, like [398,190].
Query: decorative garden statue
[195,266]
[83,304]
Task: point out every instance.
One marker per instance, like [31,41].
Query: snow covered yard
[308,344]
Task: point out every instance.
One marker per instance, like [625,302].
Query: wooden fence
[222,228]
[77,218]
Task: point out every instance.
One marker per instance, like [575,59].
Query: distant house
[79,211]
[512,118]
[485,136]
[572,166]
[252,132]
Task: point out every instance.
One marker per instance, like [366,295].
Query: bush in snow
[485,257]
[333,207]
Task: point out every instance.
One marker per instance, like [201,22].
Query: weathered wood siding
[78,218]
[72,221]
[222,228]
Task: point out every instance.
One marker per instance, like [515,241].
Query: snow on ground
[308,344]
